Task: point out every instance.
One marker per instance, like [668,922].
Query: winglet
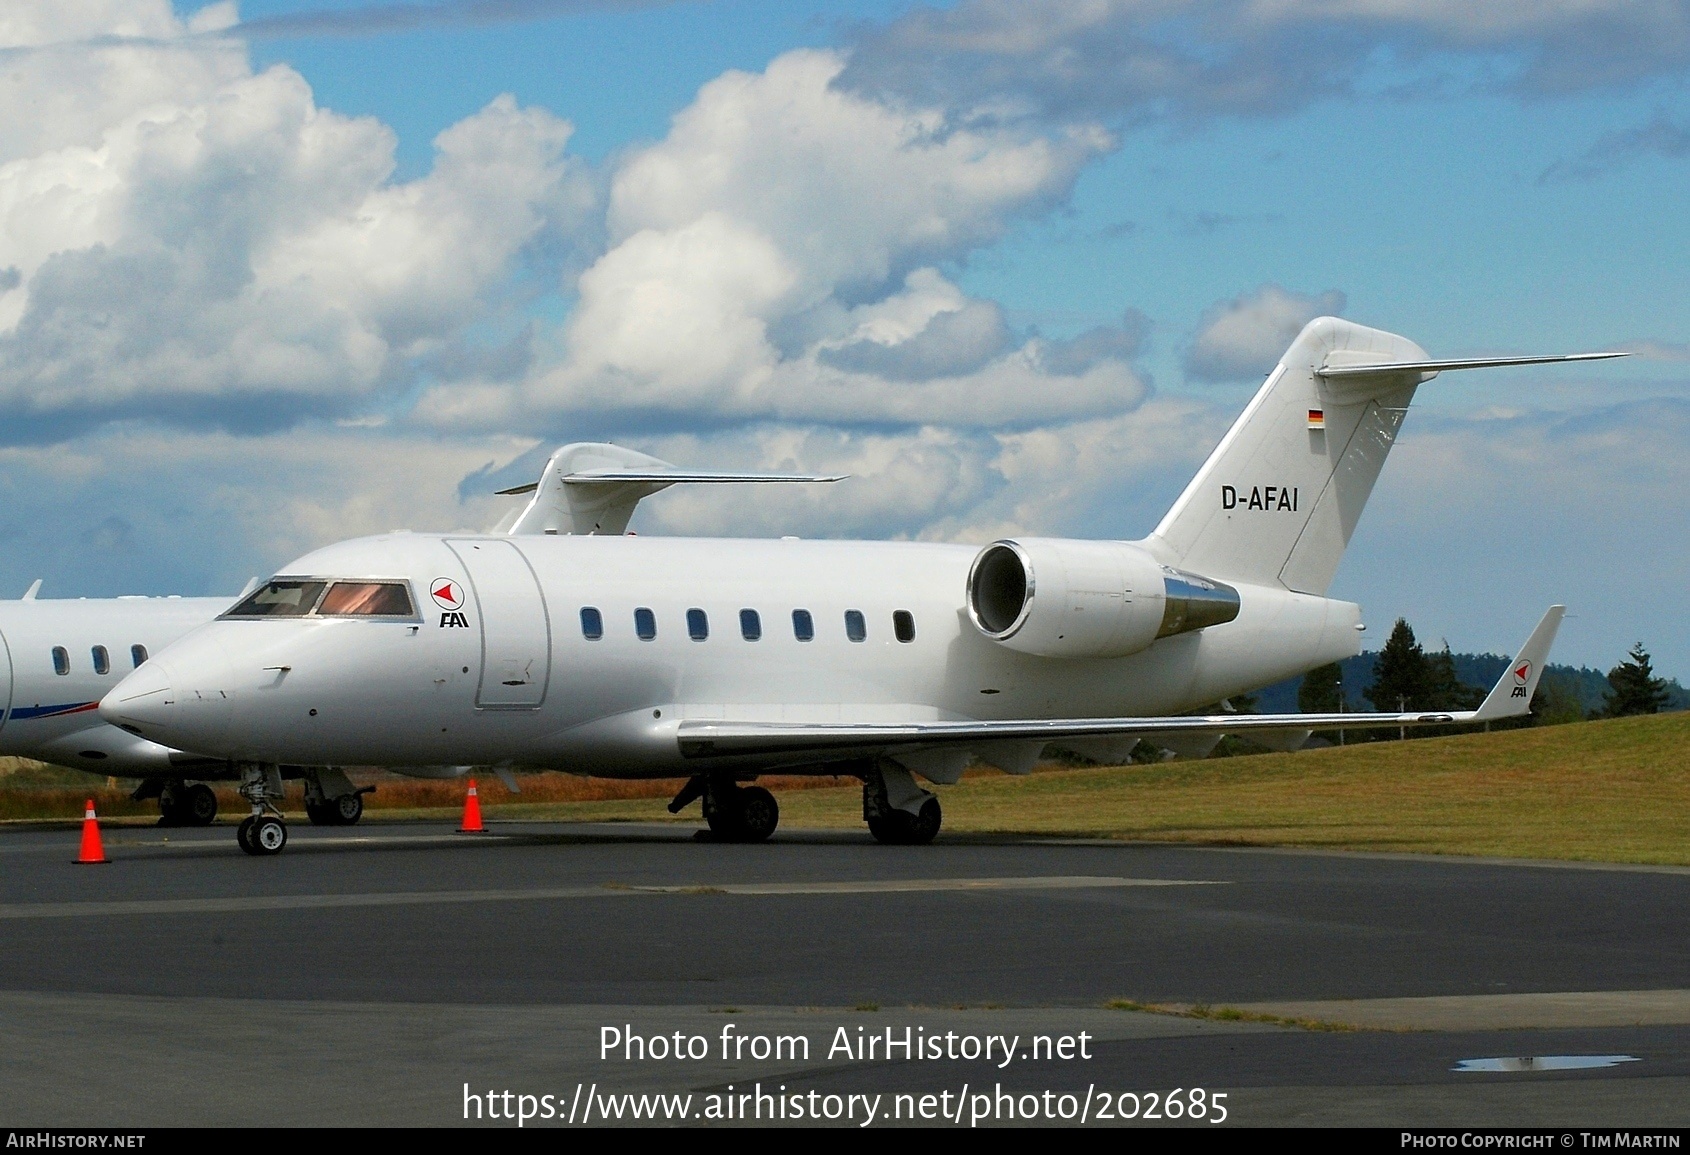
[34,588]
[1512,694]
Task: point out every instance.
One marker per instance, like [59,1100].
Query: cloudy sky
[299,270]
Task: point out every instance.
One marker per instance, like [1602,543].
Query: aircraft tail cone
[472,813]
[92,853]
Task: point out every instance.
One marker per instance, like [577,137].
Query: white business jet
[58,658]
[720,660]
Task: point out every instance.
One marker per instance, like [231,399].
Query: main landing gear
[182,805]
[898,812]
[734,813]
[331,799]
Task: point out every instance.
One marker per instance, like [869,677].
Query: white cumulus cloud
[1244,337]
[178,233]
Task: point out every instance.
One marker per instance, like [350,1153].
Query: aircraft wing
[1509,698]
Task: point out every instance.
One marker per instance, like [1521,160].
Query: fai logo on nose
[447,594]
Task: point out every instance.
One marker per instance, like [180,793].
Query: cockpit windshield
[367,599]
[297,597]
[280,598]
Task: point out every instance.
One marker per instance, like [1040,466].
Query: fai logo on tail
[447,594]
[1522,675]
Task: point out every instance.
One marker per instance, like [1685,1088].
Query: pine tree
[1443,689]
[1556,701]
[1321,690]
[1635,689]
[1400,673]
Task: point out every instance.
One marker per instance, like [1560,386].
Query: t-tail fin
[1278,500]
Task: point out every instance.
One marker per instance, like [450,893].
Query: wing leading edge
[1509,698]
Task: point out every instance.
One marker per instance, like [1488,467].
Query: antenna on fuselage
[593,487]
[34,588]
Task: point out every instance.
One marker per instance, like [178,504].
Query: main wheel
[347,809]
[171,811]
[759,814]
[267,836]
[901,828]
[243,834]
[199,808]
[723,814]
[320,813]
[925,825]
[884,828]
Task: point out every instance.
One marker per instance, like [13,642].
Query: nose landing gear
[263,832]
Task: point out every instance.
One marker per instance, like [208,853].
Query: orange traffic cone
[472,813]
[93,854]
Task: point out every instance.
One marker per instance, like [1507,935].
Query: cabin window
[592,623]
[698,625]
[855,627]
[102,660]
[137,654]
[750,625]
[903,625]
[281,598]
[367,600]
[803,625]
[61,660]
[645,624]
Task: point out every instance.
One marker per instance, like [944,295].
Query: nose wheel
[263,835]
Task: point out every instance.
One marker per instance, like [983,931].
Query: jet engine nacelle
[1061,598]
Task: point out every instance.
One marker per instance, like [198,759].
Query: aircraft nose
[151,703]
[141,701]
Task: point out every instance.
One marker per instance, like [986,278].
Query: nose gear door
[516,635]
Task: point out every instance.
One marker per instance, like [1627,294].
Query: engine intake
[1087,599]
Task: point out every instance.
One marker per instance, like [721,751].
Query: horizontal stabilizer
[1339,371]
[592,488]
[777,741]
[670,477]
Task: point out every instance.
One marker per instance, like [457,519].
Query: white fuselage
[49,700]
[510,677]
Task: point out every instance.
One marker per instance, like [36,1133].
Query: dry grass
[1227,1015]
[1615,791]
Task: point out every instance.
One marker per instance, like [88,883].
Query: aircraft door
[516,636]
[5,681]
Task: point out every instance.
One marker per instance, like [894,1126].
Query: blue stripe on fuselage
[21,713]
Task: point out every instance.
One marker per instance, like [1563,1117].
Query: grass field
[1615,791]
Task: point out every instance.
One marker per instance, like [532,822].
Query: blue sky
[269,311]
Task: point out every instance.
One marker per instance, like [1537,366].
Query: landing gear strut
[263,832]
[734,813]
[898,812]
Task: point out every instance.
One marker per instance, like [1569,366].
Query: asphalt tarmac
[383,973]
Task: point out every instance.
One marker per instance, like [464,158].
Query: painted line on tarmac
[273,902]
[899,885]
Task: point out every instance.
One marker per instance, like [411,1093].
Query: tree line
[1408,678]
